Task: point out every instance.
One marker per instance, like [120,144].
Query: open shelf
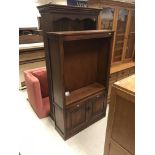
[84,92]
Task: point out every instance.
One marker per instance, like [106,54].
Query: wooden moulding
[52,8]
[110,3]
[77,35]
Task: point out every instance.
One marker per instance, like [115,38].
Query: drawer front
[132,71]
[122,74]
[113,77]
[31,56]
[109,90]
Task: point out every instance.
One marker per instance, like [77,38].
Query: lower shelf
[83,93]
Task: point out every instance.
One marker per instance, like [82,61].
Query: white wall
[28,11]
[62,2]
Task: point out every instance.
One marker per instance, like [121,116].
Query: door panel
[131,38]
[107,16]
[120,34]
[76,117]
[96,107]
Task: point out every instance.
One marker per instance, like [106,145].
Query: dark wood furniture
[80,65]
[29,35]
[120,133]
[119,17]
[27,30]
[119,72]
[64,18]
[31,51]
[30,56]
[67,18]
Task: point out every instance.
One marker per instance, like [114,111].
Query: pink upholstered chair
[37,89]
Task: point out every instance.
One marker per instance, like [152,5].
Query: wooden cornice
[53,8]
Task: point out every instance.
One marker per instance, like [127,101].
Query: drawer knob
[77,105]
[97,96]
[109,33]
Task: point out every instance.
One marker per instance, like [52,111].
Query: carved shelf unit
[119,17]
[80,65]
[64,18]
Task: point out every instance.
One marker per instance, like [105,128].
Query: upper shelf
[67,35]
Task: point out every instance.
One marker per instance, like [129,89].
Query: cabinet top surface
[76,33]
[127,84]
[31,46]
[56,7]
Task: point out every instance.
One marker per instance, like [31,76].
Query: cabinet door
[96,107]
[131,37]
[106,17]
[76,117]
[120,34]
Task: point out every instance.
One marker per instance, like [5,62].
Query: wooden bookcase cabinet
[64,18]
[119,17]
[80,65]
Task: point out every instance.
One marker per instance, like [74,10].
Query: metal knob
[77,105]
[97,96]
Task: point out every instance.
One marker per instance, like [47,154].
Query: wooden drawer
[132,70]
[122,74]
[113,77]
[31,56]
[109,90]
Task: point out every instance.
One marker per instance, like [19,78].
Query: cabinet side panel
[59,119]
[104,58]
[55,59]
[124,124]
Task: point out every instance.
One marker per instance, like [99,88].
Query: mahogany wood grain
[80,64]
[120,133]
